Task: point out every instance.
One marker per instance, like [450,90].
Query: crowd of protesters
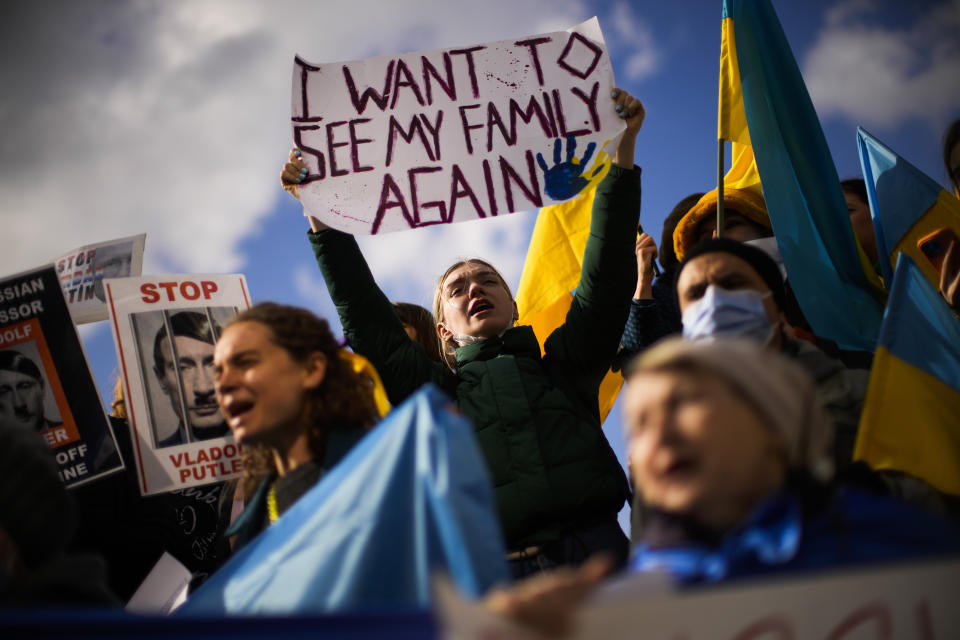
[740,422]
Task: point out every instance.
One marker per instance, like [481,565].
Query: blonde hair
[448,348]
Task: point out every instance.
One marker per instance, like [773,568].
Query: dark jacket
[537,418]
[290,487]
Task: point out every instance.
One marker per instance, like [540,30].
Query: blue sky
[172,118]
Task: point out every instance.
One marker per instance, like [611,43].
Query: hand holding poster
[902,601]
[45,381]
[436,137]
[165,328]
[83,270]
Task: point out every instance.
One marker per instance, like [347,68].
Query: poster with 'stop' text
[165,329]
[443,136]
[83,270]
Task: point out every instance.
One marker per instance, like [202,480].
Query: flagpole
[720,219]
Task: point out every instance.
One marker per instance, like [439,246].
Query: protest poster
[45,380]
[83,270]
[902,600]
[180,439]
[443,136]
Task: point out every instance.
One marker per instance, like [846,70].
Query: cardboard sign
[165,328]
[436,137]
[83,270]
[45,380]
[908,601]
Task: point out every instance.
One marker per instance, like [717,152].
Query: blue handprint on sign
[565,179]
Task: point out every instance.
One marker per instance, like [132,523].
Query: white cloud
[309,284]
[173,117]
[632,35]
[881,76]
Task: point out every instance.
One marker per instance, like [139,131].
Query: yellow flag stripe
[911,423]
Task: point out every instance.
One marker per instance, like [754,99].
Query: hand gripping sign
[436,137]
[165,328]
[45,381]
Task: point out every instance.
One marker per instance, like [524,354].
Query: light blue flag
[800,184]
[413,497]
[900,196]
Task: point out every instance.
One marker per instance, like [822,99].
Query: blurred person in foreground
[729,448]
[37,523]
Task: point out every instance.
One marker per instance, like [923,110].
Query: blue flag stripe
[919,328]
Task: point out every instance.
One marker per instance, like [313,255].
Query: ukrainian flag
[906,205]
[551,272]
[764,104]
[911,416]
[413,497]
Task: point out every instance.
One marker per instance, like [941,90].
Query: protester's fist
[646,252]
[293,173]
[630,109]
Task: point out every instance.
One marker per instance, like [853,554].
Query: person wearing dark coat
[37,523]
[557,482]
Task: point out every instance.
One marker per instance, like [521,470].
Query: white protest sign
[905,601]
[443,136]
[163,590]
[180,439]
[83,270]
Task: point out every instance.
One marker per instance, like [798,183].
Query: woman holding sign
[558,484]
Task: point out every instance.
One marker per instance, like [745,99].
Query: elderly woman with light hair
[729,451]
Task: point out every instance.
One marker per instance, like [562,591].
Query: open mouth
[237,408]
[680,468]
[479,307]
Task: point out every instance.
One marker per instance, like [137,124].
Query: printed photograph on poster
[83,270]
[45,380]
[165,329]
[179,372]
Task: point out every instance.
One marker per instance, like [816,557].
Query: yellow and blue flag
[764,104]
[911,416]
[411,498]
[551,272]
[906,206]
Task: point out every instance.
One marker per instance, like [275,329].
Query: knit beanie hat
[781,393]
[762,263]
[743,201]
[35,509]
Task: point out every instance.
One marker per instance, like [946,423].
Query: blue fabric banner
[412,498]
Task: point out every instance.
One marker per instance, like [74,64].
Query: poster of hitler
[45,380]
[437,137]
[164,329]
[83,270]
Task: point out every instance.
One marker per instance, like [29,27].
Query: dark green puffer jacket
[537,419]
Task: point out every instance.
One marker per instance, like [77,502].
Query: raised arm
[589,337]
[368,318]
